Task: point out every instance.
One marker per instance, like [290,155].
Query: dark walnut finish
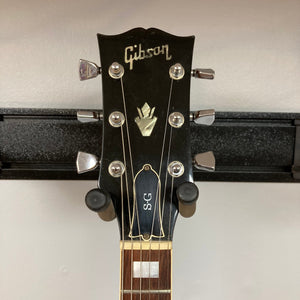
[145,80]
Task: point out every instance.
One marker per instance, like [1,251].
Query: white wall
[244,241]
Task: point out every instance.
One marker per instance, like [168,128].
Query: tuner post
[116,70]
[100,202]
[176,71]
[187,194]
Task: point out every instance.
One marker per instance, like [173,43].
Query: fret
[146,269]
[147,297]
[147,292]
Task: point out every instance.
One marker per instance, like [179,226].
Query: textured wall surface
[244,241]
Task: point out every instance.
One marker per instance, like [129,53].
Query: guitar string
[132,173]
[169,234]
[171,202]
[168,160]
[163,147]
[165,190]
[159,174]
[129,145]
[122,266]
[128,204]
[170,214]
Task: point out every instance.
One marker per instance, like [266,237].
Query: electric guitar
[145,176]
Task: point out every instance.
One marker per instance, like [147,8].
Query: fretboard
[146,270]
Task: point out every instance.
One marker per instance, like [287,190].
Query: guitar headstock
[146,168]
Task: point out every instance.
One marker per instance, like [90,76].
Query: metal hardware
[191,116]
[203,73]
[146,236]
[86,162]
[116,119]
[116,168]
[249,147]
[88,70]
[296,165]
[205,161]
[204,117]
[116,70]
[176,169]
[85,116]
[176,119]
[176,71]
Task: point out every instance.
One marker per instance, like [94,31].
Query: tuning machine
[88,70]
[203,73]
[96,200]
[203,117]
[86,116]
[187,192]
[205,161]
[86,162]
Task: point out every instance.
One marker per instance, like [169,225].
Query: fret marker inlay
[145,269]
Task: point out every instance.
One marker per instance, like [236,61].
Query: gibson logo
[135,52]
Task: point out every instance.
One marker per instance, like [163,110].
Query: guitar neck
[146,270]
[146,172]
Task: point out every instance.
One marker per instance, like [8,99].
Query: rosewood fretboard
[146,270]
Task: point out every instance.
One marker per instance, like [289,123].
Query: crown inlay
[146,121]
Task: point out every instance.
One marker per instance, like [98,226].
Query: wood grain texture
[146,288]
[147,297]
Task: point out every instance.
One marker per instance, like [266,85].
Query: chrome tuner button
[176,119]
[203,73]
[176,169]
[88,70]
[176,71]
[116,168]
[204,117]
[116,71]
[86,162]
[85,116]
[116,119]
[205,161]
